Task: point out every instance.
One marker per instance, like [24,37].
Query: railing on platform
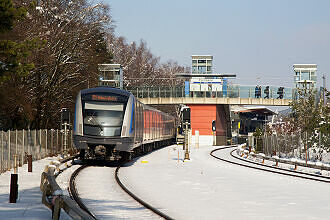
[232,91]
[293,145]
[38,143]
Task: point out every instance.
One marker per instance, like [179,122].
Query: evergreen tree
[9,14]
[311,117]
[13,55]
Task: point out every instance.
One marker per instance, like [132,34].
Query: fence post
[57,146]
[23,147]
[9,161]
[35,139]
[71,141]
[1,164]
[46,148]
[61,142]
[28,144]
[40,141]
[196,139]
[16,144]
[320,139]
[52,142]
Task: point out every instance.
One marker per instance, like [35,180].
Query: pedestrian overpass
[207,106]
[233,95]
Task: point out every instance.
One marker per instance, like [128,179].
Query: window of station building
[194,69]
[209,62]
[208,68]
[194,61]
[202,69]
[304,76]
[201,61]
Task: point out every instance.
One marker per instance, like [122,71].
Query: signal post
[65,121]
[186,122]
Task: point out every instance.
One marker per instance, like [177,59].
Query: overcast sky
[259,40]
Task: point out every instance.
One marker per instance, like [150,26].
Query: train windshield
[103,118]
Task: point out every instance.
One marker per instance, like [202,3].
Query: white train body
[110,123]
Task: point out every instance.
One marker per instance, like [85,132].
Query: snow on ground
[202,188]
[29,205]
[206,188]
[103,196]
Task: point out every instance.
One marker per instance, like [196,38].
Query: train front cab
[104,123]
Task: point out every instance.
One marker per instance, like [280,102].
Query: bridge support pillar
[223,128]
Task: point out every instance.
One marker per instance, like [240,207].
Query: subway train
[111,124]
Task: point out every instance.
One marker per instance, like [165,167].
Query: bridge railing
[231,91]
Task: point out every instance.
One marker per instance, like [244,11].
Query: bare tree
[74,42]
[140,66]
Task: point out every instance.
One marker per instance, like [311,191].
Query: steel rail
[263,169]
[73,192]
[146,205]
[279,168]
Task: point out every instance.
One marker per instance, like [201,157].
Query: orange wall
[201,118]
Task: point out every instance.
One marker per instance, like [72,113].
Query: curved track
[74,194]
[73,191]
[156,211]
[277,170]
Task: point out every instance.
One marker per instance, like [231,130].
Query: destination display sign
[104,98]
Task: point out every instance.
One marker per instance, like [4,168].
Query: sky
[257,40]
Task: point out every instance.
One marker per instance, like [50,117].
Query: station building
[201,64]
[110,75]
[203,83]
[305,73]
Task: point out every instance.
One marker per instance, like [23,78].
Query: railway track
[146,205]
[109,169]
[73,191]
[272,169]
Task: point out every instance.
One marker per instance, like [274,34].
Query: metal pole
[186,155]
[65,137]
